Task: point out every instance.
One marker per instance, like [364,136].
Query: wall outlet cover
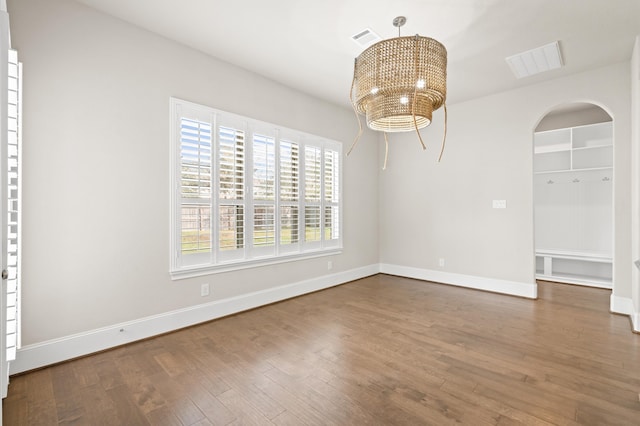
[204,290]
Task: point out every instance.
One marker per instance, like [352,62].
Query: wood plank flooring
[380,351]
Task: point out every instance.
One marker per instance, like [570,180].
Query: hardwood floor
[382,350]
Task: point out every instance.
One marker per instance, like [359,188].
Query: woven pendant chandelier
[398,83]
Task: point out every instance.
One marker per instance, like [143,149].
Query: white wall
[430,211]
[96,169]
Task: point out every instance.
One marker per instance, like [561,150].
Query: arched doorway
[573,195]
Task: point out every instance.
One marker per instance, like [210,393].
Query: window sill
[198,271]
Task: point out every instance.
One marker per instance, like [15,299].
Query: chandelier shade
[399,82]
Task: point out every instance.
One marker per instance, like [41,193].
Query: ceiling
[307,45]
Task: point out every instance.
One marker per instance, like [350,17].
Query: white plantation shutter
[264,225]
[312,194]
[195,185]
[14,154]
[264,184]
[247,194]
[264,167]
[231,163]
[312,173]
[231,195]
[289,195]
[312,224]
[331,195]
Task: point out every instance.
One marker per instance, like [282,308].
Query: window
[248,193]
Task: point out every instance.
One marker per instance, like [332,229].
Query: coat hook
[606,179]
[550,182]
[576,180]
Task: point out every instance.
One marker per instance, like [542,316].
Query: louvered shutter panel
[14,153]
[331,195]
[195,186]
[264,181]
[312,193]
[289,195]
[231,210]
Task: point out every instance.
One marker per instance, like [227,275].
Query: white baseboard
[624,306]
[53,351]
[513,288]
[621,305]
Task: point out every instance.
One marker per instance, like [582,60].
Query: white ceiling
[307,45]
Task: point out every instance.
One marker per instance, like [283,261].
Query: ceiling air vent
[534,61]
[365,38]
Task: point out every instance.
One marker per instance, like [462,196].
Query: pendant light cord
[386,151]
[444,136]
[355,111]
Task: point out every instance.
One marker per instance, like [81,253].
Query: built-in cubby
[575,148]
[573,198]
[593,269]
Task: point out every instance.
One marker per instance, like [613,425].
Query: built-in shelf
[570,171]
[577,279]
[575,148]
[573,194]
[574,267]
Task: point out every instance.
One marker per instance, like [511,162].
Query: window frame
[249,255]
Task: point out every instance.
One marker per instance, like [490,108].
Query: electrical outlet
[441,262]
[329,265]
[204,290]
